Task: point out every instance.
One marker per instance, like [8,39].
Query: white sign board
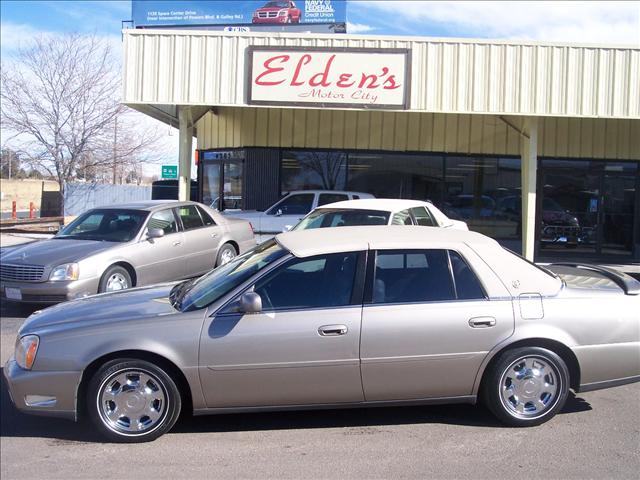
[324,77]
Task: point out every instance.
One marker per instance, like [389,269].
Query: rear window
[324,218]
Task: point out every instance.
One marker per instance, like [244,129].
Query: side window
[206,218]
[299,204]
[190,217]
[467,284]
[164,220]
[315,282]
[402,218]
[423,217]
[355,197]
[326,198]
[406,276]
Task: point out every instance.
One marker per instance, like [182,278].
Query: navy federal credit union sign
[149,13]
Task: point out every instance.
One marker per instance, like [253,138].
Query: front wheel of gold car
[132,400]
[527,386]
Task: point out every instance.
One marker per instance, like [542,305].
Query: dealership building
[534,144]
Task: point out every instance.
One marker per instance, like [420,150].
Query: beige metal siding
[456,76]
[411,131]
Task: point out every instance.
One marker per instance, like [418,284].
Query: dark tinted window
[164,220]
[206,218]
[190,217]
[423,217]
[321,281]
[467,285]
[412,276]
[326,198]
[109,225]
[297,204]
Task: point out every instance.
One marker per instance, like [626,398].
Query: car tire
[132,401]
[526,386]
[115,278]
[226,253]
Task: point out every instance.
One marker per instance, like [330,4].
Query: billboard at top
[264,13]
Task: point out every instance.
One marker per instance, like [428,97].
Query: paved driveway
[597,436]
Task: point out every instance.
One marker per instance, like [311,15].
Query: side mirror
[279,213]
[250,302]
[155,233]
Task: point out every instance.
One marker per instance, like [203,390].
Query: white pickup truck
[290,209]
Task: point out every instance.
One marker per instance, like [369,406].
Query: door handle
[214,235]
[482,322]
[175,244]
[332,330]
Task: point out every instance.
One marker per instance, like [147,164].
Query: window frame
[177,214]
[145,230]
[371,271]
[357,293]
[202,212]
[274,207]
[429,216]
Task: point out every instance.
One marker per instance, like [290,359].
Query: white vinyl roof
[515,273]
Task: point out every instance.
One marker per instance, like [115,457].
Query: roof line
[398,38]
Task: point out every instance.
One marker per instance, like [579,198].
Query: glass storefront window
[486,193]
[396,175]
[313,170]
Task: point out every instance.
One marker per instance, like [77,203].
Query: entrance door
[222,183]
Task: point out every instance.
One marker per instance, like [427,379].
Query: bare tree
[60,97]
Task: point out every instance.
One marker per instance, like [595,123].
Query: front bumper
[50,292]
[51,394]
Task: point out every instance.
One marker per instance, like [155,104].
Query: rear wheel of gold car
[132,400]
[527,386]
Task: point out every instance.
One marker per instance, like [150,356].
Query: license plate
[13,293]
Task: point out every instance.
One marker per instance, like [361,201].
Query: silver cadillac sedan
[122,246]
[353,316]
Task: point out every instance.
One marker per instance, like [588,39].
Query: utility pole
[115,141]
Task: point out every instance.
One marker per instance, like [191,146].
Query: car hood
[54,252]
[115,307]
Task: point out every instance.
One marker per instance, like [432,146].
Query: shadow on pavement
[16,424]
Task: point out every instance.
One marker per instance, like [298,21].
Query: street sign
[169,171]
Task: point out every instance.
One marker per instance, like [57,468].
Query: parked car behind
[290,209]
[353,316]
[122,246]
[378,211]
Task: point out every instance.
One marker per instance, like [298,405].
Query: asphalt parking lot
[596,436]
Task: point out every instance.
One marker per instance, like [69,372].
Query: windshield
[338,217]
[277,5]
[107,225]
[199,293]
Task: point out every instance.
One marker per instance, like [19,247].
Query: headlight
[282,13]
[26,349]
[68,271]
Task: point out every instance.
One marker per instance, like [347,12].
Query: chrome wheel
[529,387]
[132,402]
[116,281]
[227,255]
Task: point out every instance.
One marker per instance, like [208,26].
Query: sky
[607,23]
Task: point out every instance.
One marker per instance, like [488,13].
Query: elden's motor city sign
[345,78]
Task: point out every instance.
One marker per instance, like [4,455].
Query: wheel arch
[127,266]
[559,348]
[170,367]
